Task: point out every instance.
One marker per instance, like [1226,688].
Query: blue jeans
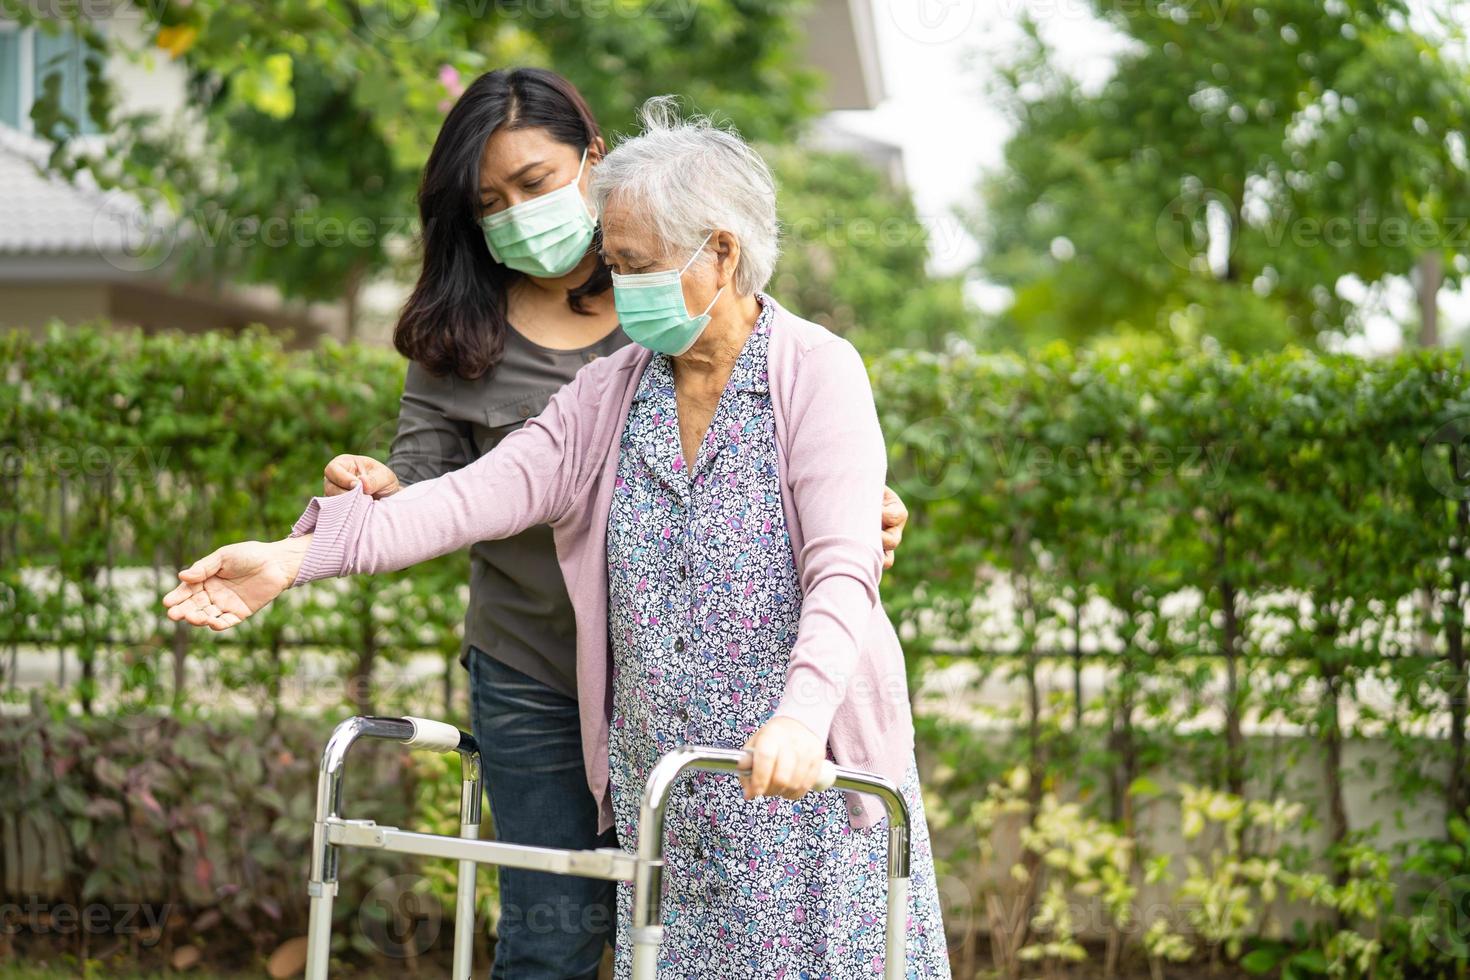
[552,927]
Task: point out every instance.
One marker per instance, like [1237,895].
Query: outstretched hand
[228,586]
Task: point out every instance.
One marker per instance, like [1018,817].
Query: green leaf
[1311,960]
[1261,960]
[266,86]
[81,832]
[1144,786]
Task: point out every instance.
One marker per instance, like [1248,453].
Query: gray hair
[690,176]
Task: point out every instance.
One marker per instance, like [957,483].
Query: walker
[331,832]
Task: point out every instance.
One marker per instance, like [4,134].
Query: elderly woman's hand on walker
[786,760]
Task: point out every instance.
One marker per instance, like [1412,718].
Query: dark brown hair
[455,319]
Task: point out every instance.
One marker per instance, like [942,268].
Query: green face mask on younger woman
[546,236]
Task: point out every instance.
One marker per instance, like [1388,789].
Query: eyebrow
[516,176]
[630,257]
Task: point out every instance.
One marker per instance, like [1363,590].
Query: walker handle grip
[826,778]
[429,734]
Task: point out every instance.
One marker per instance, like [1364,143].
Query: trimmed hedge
[125,454]
[1279,541]
[1274,544]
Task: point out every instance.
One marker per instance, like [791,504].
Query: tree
[854,254]
[1230,173]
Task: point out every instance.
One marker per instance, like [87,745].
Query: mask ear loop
[712,301]
[577,182]
[697,251]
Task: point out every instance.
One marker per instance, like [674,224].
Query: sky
[935,57]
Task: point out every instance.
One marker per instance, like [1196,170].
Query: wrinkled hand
[895,516]
[228,586]
[786,760]
[340,474]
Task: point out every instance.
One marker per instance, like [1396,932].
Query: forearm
[525,481]
[837,608]
[354,534]
[836,467]
[290,552]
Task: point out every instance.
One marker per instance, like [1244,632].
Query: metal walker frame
[331,832]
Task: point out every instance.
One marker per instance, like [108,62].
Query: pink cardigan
[846,677]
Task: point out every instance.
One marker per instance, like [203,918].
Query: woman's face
[521,164]
[630,247]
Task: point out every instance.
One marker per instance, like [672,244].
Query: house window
[28,57]
[10,76]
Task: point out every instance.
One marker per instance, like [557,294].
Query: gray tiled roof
[42,214]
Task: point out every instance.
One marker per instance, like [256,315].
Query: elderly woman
[714,491]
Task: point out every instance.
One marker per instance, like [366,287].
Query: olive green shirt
[519,612]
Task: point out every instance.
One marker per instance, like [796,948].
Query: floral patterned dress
[704,604]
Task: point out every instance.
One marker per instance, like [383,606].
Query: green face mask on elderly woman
[652,310]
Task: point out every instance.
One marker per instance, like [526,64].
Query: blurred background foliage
[1250,174]
[859,270]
